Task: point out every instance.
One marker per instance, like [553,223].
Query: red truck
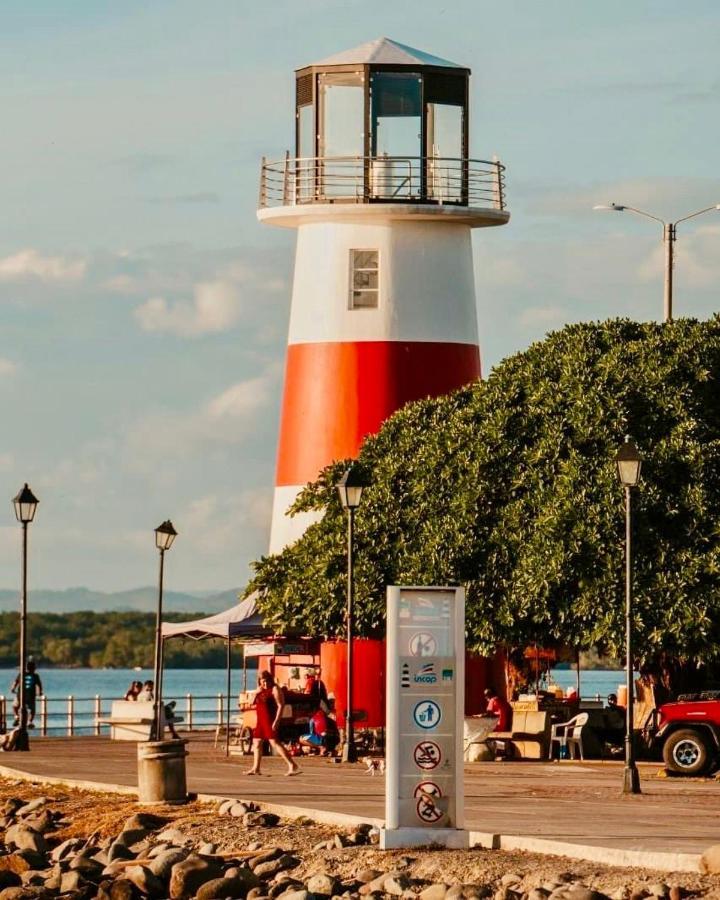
[687,732]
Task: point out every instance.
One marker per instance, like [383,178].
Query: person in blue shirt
[33,687]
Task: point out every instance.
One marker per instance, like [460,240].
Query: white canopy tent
[241,622]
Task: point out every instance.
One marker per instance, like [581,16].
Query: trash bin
[161,772]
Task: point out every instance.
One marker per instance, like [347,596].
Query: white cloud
[7,367]
[241,399]
[544,316]
[221,524]
[215,307]
[30,264]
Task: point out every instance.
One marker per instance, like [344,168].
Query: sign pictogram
[423,644]
[427,755]
[427,811]
[427,788]
[427,714]
[405,676]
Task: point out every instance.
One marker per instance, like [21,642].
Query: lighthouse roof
[383,51]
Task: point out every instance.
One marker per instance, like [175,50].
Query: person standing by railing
[32,686]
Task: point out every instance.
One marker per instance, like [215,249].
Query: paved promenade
[572,802]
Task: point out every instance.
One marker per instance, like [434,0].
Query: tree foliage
[509,487]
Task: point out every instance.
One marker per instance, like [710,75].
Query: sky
[144,310]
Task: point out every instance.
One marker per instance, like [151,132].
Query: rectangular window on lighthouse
[364,279]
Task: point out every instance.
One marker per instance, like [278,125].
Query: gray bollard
[161,772]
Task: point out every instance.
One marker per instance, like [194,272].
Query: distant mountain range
[143,599]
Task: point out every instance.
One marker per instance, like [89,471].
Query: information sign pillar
[425,714]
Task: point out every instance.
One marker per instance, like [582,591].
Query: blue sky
[144,310]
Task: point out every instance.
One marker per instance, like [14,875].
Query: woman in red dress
[268,707]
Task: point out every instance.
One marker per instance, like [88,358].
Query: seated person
[613,730]
[322,735]
[496,706]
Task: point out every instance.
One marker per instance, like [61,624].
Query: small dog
[374,765]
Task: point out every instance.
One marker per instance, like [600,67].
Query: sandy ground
[89,812]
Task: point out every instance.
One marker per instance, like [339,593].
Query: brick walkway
[576,802]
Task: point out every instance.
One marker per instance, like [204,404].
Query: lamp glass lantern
[351,486]
[165,534]
[25,505]
[629,463]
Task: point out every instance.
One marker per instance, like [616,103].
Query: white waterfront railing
[71,715]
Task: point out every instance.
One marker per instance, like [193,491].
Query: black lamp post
[165,534]
[350,488]
[25,507]
[629,462]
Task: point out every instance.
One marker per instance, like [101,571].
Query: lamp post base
[22,740]
[631,780]
[349,751]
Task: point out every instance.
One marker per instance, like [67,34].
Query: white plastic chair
[569,735]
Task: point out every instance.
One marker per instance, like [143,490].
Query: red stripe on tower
[338,393]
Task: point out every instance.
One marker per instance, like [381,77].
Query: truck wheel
[686,753]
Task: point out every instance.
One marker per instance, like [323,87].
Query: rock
[187,876]
[396,884]
[90,869]
[26,838]
[172,836]
[130,836]
[24,893]
[68,847]
[339,841]
[376,886]
[658,889]
[162,864]
[13,862]
[71,881]
[123,889]
[207,849]
[219,888]
[9,879]
[120,851]
[321,845]
[272,867]
[33,877]
[101,856]
[238,810]
[293,895]
[434,892]
[323,885]
[147,821]
[225,806]
[33,859]
[267,819]
[145,881]
[254,845]
[43,823]
[265,856]
[455,892]
[676,892]
[365,876]
[11,806]
[537,893]
[254,893]
[710,860]
[510,879]
[30,807]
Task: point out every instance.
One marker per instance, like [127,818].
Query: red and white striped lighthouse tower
[383,195]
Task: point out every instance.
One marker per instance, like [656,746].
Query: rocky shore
[79,844]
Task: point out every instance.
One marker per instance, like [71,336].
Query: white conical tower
[383,195]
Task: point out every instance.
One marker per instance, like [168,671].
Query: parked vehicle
[687,733]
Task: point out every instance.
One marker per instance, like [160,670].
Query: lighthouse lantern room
[383,194]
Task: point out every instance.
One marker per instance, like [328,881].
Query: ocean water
[592,681]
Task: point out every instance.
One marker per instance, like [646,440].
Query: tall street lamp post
[165,534]
[629,462]
[350,488]
[25,507]
[669,237]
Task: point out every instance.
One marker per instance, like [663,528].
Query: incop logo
[426,674]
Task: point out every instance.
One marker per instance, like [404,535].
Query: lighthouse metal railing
[357,179]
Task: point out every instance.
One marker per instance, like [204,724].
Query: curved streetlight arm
[700,212]
[647,215]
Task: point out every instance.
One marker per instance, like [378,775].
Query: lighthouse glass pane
[396,135]
[445,168]
[364,282]
[342,137]
[306,151]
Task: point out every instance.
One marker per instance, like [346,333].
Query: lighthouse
[383,193]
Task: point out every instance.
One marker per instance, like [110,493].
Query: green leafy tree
[508,486]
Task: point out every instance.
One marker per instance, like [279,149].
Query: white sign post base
[398,838]
[425,713]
